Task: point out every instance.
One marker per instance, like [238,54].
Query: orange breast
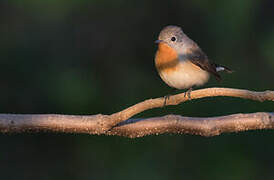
[166,58]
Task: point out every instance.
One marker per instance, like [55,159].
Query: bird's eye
[173,38]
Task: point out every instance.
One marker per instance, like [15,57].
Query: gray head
[175,38]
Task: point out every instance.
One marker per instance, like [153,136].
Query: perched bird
[181,63]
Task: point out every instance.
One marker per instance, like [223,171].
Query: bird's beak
[158,41]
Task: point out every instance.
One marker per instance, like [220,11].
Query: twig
[116,123]
[179,98]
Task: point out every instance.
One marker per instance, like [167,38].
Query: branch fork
[120,123]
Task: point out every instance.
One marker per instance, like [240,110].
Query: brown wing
[199,58]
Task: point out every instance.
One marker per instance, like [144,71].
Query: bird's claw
[188,93]
[166,98]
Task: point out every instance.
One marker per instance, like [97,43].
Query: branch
[16,123]
[197,126]
[120,124]
[180,98]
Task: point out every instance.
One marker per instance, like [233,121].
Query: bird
[181,63]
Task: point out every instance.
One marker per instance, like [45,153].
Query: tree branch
[180,98]
[120,124]
[16,123]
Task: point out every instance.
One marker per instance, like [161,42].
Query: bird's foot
[166,98]
[188,93]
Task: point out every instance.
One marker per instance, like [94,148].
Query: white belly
[185,75]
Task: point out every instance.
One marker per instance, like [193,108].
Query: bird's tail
[223,68]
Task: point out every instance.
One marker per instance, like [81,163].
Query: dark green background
[96,56]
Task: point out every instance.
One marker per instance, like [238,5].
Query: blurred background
[96,56]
